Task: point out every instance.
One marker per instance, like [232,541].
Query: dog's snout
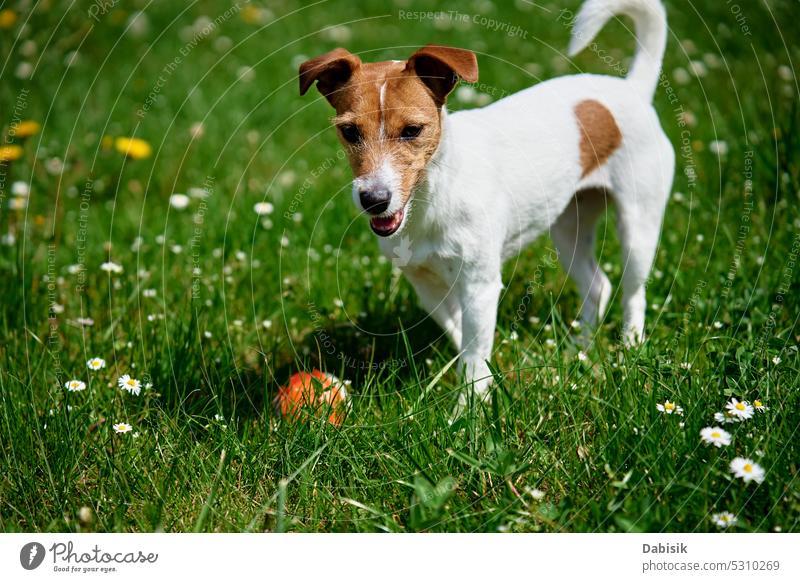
[375,201]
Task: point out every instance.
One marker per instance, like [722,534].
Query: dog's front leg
[439,301]
[479,294]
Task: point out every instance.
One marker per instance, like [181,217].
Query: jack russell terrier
[471,189]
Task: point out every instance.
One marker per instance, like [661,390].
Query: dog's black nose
[375,201]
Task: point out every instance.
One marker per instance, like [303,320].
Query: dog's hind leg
[640,200]
[573,234]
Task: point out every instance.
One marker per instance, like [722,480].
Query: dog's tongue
[386,225]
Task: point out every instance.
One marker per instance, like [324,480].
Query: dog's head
[389,119]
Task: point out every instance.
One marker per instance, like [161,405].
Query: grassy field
[213,306]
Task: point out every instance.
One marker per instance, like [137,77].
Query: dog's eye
[350,133]
[410,131]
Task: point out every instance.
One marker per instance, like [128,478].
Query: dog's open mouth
[387,225]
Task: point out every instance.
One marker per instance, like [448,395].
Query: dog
[471,189]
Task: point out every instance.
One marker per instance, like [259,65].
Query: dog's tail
[651,36]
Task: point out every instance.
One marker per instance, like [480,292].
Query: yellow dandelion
[27,128]
[252,14]
[134,148]
[7,18]
[10,153]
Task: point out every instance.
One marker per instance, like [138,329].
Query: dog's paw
[475,393]
[632,338]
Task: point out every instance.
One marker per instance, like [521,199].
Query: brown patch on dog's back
[600,135]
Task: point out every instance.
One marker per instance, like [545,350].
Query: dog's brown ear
[330,71]
[440,67]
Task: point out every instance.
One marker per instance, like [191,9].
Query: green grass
[586,434]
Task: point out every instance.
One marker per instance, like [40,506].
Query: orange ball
[317,392]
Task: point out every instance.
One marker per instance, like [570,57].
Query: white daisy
[712,60]
[96,364]
[246,74]
[582,356]
[111,267]
[724,519]
[75,386]
[698,68]
[537,494]
[54,166]
[785,73]
[681,76]
[263,208]
[718,147]
[466,93]
[669,408]
[18,203]
[740,410]
[179,201]
[723,417]
[196,192]
[714,435]
[129,384]
[20,189]
[747,470]
[122,427]
[85,515]
[758,405]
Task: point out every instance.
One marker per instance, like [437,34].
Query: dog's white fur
[506,173]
